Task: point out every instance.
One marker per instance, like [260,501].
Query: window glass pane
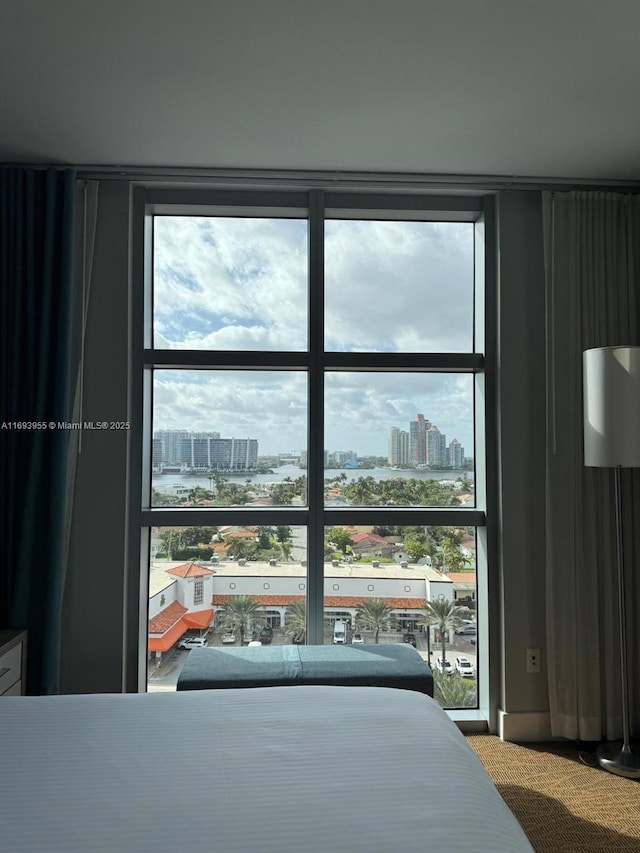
[399,439]
[229,437]
[398,286]
[222,587]
[223,283]
[392,584]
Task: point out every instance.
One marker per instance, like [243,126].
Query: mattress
[287,769]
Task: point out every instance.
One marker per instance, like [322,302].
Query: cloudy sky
[232,283]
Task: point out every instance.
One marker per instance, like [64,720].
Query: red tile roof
[164,643]
[372,538]
[164,620]
[190,570]
[462,577]
[329,601]
[172,622]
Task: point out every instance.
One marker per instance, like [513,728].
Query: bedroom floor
[562,805]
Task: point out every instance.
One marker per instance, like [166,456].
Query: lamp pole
[611,378]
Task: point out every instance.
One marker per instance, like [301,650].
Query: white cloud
[361,408]
[269,406]
[234,283]
[399,286]
[230,283]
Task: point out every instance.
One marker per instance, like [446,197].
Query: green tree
[283,533]
[172,541]
[241,613]
[465,483]
[264,537]
[295,619]
[285,549]
[453,560]
[373,614]
[243,549]
[444,615]
[339,538]
[416,547]
[199,494]
[198,535]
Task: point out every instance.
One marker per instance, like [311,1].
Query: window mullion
[315,453]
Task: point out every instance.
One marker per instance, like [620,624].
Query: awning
[164,643]
[199,619]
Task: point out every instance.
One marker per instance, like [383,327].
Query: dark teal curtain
[36,298]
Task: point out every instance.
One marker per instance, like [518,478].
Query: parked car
[357,640]
[229,637]
[464,667]
[466,628]
[192,643]
[444,669]
[409,638]
[255,643]
[266,635]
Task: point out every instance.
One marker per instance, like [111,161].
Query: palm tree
[295,619]
[445,615]
[373,614]
[453,560]
[451,691]
[240,613]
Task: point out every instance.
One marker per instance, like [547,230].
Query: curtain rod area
[416,182]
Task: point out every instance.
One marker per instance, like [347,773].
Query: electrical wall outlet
[533,660]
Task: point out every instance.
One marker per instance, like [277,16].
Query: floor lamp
[611,380]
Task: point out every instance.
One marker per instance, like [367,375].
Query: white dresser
[13,661]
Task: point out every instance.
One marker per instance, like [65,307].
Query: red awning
[164,643]
[199,619]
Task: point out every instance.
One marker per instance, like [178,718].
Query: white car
[229,637]
[357,639]
[466,628]
[445,668]
[192,643]
[465,668]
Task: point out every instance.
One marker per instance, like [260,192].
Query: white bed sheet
[286,769]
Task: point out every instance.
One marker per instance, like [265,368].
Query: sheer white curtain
[592,272]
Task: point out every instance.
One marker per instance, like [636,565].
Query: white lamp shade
[611,385]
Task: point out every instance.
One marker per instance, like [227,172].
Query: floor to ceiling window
[313,397]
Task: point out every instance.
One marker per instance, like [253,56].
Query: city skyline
[209,449]
[271,406]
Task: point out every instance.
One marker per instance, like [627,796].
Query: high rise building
[436,444]
[456,454]
[418,440]
[203,451]
[398,448]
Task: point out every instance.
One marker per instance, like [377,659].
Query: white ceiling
[466,87]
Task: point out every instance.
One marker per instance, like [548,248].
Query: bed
[287,769]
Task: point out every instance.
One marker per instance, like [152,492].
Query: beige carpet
[562,805]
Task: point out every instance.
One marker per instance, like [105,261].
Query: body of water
[168,483]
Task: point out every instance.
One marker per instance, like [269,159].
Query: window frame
[315,205]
